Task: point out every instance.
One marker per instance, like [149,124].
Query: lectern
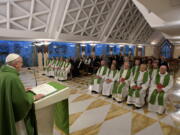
[52,112]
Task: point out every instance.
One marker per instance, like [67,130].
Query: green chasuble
[145,79]
[101,71]
[117,88]
[15,103]
[159,95]
[134,69]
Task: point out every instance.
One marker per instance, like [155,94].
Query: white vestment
[65,70]
[52,66]
[97,87]
[107,87]
[156,107]
[139,101]
[47,66]
[121,96]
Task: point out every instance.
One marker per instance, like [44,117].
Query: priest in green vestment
[138,87]
[65,70]
[121,86]
[160,85]
[53,72]
[109,80]
[48,66]
[154,70]
[58,67]
[135,68]
[52,66]
[97,82]
[16,104]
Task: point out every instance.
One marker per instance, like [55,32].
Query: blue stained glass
[166,50]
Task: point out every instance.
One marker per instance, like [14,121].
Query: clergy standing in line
[65,70]
[138,87]
[160,85]
[51,67]
[109,81]
[58,67]
[121,86]
[16,104]
[56,63]
[47,66]
[97,82]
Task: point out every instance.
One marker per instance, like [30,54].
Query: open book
[44,89]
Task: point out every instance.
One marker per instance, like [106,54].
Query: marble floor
[93,114]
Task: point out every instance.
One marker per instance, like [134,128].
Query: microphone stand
[35,76]
[34,54]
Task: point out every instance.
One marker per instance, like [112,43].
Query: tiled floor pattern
[98,115]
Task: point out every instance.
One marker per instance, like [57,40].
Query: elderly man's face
[143,67]
[102,63]
[67,60]
[114,61]
[137,62]
[19,63]
[126,65]
[155,65]
[163,69]
[113,67]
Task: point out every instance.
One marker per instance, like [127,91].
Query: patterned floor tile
[117,126]
[115,111]
[97,103]
[74,117]
[92,130]
[139,122]
[169,130]
[83,97]
[154,129]
[90,118]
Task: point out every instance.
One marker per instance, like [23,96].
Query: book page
[44,89]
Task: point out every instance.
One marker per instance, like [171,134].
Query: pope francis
[16,103]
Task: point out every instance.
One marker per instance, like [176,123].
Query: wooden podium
[45,109]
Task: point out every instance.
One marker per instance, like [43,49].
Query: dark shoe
[94,92]
[120,101]
[109,96]
[138,107]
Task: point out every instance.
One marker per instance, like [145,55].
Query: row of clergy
[134,85]
[58,68]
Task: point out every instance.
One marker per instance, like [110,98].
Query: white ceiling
[74,20]
[162,15]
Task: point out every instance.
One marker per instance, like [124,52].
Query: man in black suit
[94,64]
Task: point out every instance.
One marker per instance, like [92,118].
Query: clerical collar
[142,71]
[11,66]
[163,74]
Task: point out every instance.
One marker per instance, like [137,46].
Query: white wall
[176,51]
[149,50]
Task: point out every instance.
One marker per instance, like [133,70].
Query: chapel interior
[74,45]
